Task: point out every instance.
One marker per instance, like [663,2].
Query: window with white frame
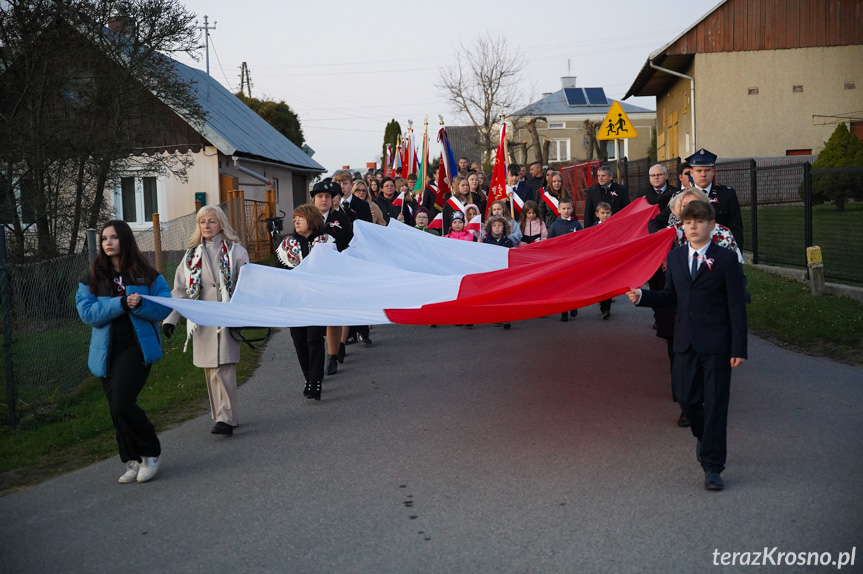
[611,148]
[558,150]
[557,125]
[138,199]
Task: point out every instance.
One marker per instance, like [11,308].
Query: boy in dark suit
[706,284]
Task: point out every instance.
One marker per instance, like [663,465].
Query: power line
[220,65]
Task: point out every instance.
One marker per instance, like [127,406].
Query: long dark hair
[529,205]
[133,265]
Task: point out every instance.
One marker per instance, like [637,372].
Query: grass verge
[784,312]
[77,430]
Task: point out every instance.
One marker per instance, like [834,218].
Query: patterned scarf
[193,262]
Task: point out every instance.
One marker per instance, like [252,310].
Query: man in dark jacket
[721,197]
[614,194]
[354,208]
[535,179]
[660,191]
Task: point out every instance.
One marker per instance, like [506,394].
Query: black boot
[315,392]
[332,364]
[564,317]
[307,392]
[342,353]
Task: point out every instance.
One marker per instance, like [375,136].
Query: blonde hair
[675,201]
[342,175]
[227,231]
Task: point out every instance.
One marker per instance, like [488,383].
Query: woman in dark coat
[309,230]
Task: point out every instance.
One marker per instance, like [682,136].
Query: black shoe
[606,315]
[332,365]
[712,481]
[351,340]
[682,421]
[698,450]
[342,353]
[367,341]
[564,317]
[507,326]
[307,392]
[222,428]
[573,313]
[315,391]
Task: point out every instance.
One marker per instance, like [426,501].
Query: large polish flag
[404,275]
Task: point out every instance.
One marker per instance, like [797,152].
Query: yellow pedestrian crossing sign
[616,126]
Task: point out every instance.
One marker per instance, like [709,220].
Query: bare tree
[485,82]
[80,103]
[592,145]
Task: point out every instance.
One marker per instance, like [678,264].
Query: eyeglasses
[296,219]
[656,174]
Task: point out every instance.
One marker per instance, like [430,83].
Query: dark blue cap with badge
[330,187]
[702,158]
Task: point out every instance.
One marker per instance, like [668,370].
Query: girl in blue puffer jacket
[125,340]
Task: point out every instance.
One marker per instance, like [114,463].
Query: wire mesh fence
[50,344]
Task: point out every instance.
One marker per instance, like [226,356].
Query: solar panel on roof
[575,96]
[596,97]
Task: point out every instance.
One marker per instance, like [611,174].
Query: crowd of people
[705,216]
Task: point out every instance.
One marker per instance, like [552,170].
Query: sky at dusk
[347,68]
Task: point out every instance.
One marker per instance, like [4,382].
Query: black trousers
[702,384]
[136,436]
[309,344]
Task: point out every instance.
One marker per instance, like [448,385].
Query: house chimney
[568,81]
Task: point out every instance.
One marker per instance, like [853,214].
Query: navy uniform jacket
[356,208]
[654,198]
[617,196]
[727,207]
[711,310]
[562,226]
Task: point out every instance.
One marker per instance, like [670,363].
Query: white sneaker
[149,466]
[131,473]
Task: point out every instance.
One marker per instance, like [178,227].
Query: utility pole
[206,28]
[245,80]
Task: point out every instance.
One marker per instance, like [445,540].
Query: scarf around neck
[194,266]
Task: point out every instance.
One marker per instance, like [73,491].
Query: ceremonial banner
[497,187]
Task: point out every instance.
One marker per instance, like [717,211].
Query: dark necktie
[694,265]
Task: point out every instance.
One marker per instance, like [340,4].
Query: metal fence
[786,205]
[49,344]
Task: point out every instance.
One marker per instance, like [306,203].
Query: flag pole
[505,173]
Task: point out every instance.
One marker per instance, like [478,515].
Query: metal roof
[555,105]
[235,129]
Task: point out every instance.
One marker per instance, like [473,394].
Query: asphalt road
[551,447]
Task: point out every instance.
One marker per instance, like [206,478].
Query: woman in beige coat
[209,272]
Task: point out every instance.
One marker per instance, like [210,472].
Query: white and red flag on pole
[497,186]
[437,222]
[397,161]
[388,159]
[475,224]
[399,200]
[551,201]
